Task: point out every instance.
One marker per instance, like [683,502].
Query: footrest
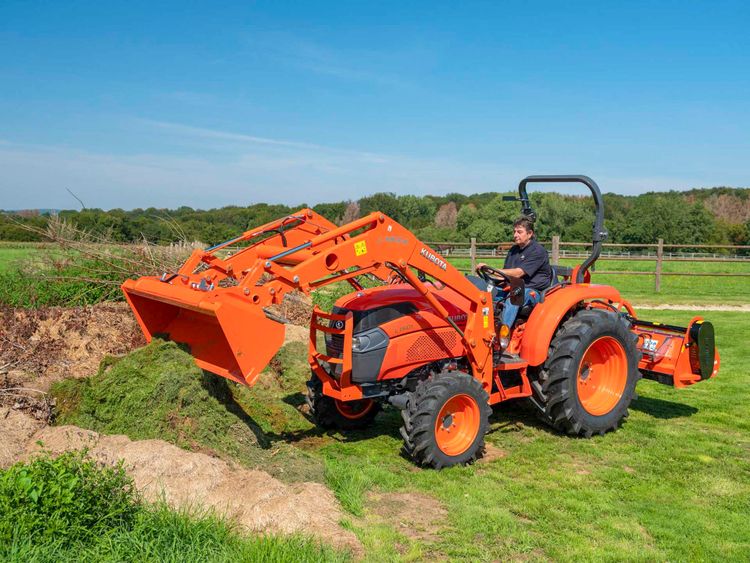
[509,361]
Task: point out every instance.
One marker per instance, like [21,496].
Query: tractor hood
[376,306]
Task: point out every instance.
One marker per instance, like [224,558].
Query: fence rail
[473,250]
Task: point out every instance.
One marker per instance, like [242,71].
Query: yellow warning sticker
[360,248]
[486,321]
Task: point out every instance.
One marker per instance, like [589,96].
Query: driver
[527,259]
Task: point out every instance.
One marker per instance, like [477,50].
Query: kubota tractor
[425,340]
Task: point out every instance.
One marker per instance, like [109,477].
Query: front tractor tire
[588,381]
[445,420]
[330,413]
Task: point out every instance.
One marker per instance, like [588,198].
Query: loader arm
[220,309]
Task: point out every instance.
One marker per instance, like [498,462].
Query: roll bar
[599,233]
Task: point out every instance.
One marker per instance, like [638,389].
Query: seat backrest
[558,272]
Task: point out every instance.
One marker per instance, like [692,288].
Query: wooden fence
[646,252]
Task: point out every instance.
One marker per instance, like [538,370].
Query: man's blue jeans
[510,311]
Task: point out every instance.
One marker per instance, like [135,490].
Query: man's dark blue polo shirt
[533,260]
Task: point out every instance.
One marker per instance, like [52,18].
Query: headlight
[373,339]
[360,343]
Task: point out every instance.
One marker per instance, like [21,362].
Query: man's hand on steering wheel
[492,275]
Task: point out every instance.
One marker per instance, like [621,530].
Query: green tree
[415,212]
[384,202]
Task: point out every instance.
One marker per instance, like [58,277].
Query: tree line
[701,216]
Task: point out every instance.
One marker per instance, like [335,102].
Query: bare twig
[4,367]
[102,262]
[8,390]
[14,344]
[75,196]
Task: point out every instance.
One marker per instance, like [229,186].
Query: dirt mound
[254,499]
[157,391]
[47,344]
[16,428]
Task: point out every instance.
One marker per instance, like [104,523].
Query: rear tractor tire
[330,413]
[588,381]
[445,420]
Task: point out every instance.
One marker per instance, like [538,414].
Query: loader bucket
[226,335]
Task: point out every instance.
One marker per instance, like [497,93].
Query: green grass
[674,289]
[43,275]
[11,258]
[672,484]
[69,509]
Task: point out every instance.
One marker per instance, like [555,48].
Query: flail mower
[425,339]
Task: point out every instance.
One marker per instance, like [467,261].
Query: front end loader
[426,339]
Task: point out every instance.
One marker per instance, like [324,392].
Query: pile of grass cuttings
[158,392]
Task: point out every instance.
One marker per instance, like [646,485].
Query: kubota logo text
[432,258]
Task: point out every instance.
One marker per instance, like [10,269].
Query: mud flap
[226,335]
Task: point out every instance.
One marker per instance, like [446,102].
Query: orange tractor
[425,339]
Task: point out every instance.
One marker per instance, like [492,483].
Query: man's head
[523,231]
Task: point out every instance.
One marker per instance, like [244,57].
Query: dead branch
[16,345]
[16,390]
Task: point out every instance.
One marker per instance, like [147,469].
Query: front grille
[335,345]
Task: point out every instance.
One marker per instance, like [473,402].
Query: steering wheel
[493,276]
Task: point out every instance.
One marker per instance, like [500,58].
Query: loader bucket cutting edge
[225,335]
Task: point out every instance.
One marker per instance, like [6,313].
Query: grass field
[11,258]
[15,255]
[672,484]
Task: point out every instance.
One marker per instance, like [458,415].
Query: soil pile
[232,449]
[44,345]
[47,344]
[16,429]
[253,499]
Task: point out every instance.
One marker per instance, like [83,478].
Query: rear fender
[546,316]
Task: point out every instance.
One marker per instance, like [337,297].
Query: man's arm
[513,272]
[510,272]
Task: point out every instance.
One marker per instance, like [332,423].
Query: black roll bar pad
[599,234]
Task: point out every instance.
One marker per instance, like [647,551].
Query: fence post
[555,250]
[473,254]
[659,257]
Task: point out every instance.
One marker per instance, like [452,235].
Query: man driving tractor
[429,349]
[527,260]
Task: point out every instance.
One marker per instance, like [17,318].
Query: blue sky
[137,104]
